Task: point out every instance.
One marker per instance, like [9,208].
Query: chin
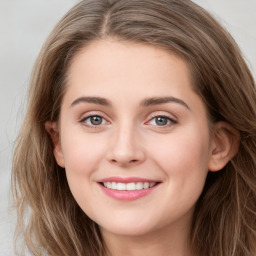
[134,227]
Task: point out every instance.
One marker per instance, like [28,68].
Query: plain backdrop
[24,26]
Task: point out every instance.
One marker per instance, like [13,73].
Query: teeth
[146,185]
[139,186]
[120,186]
[113,185]
[129,186]
[152,184]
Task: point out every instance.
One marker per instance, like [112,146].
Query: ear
[225,144]
[52,129]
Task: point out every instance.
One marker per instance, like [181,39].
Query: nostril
[124,162]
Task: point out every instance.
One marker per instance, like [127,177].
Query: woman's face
[134,138]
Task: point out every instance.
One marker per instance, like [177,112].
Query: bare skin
[129,114]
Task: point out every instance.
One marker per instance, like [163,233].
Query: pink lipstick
[127,189]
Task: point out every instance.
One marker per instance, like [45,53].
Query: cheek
[184,160]
[82,156]
[184,157]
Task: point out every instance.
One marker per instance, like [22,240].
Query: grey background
[24,26]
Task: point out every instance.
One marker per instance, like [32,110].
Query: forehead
[126,75]
[109,61]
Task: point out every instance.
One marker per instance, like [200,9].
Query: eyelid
[88,118]
[170,117]
[91,114]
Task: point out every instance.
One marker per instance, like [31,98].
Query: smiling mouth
[132,186]
[128,189]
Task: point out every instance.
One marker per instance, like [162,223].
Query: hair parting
[224,221]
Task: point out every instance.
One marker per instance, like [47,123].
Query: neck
[163,242]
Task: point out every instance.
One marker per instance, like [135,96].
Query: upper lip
[126,179]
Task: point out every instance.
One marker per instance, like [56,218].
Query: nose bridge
[126,147]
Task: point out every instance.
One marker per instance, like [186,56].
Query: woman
[139,133]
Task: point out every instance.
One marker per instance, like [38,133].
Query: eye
[162,121]
[94,120]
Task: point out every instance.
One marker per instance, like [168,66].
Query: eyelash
[169,121]
[83,121]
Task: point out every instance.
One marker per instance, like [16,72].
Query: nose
[126,148]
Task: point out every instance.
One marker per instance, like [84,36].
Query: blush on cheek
[183,155]
[80,151]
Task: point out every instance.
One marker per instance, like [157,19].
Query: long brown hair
[224,222]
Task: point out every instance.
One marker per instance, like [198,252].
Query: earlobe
[52,130]
[225,145]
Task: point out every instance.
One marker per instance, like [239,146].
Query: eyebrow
[94,100]
[162,100]
[145,103]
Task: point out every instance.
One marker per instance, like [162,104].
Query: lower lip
[127,195]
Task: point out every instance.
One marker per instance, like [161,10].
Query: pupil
[161,120]
[96,120]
